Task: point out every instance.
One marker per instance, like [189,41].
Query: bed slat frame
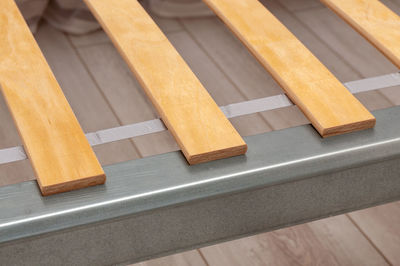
[56,145]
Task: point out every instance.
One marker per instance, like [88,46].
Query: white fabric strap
[232,110]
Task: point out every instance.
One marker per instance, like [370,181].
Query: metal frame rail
[159,205]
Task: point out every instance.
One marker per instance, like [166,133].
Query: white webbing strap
[232,110]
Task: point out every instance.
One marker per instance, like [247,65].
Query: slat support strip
[15,154]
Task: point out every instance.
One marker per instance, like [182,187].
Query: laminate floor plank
[232,57]
[382,226]
[93,38]
[346,42]
[332,241]
[296,5]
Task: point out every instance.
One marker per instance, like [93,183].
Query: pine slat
[372,19]
[54,141]
[198,125]
[324,100]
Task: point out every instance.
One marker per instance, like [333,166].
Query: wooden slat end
[216,155]
[348,128]
[72,185]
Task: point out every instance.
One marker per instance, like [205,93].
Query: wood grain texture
[125,96]
[352,48]
[332,241]
[382,226]
[90,107]
[131,105]
[99,37]
[115,81]
[324,100]
[194,119]
[54,141]
[248,77]
[376,22]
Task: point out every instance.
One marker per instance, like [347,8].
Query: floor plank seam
[203,257]
[222,70]
[89,44]
[306,27]
[368,239]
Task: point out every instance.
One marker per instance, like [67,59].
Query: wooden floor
[103,94]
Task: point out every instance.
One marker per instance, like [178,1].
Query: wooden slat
[324,100]
[376,22]
[198,125]
[56,145]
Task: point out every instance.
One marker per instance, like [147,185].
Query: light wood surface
[92,110]
[108,88]
[352,48]
[374,21]
[194,119]
[54,141]
[382,226]
[324,100]
[325,242]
